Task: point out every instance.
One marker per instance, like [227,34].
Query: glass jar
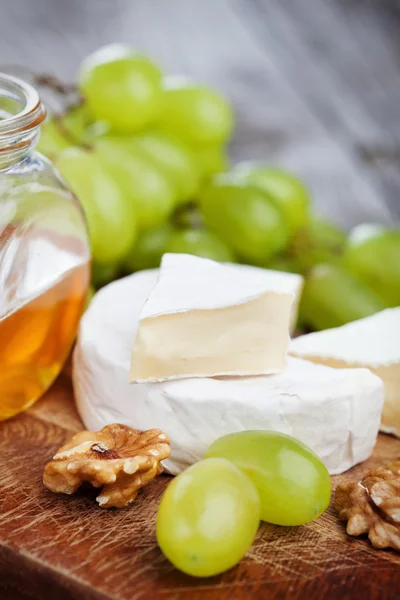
[44,255]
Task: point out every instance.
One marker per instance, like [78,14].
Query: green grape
[141,183]
[244,218]
[321,241]
[372,255]
[200,243]
[293,483]
[147,252]
[208,517]
[104,273]
[195,113]
[173,160]
[212,160]
[333,297]
[284,188]
[121,87]
[111,220]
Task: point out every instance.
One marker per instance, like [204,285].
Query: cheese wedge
[334,411]
[208,319]
[374,343]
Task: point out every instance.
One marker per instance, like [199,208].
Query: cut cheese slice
[374,343]
[204,319]
[335,412]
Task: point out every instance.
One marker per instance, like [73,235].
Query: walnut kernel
[373,506]
[118,458]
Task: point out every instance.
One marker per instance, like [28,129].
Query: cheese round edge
[335,412]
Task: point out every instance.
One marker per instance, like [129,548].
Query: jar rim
[32,112]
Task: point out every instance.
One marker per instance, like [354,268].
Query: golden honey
[36,340]
[37,333]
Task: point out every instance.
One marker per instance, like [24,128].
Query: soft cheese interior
[206,319]
[334,411]
[372,343]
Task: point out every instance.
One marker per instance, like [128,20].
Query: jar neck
[21,113]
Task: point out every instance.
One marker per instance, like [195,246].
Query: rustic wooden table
[316,87]
[68,548]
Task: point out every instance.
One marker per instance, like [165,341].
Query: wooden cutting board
[55,547]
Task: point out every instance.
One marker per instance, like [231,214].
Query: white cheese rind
[373,343]
[189,282]
[335,412]
[205,319]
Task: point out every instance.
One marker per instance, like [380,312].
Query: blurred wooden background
[315,83]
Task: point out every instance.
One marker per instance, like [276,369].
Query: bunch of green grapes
[146,155]
[361,278]
[136,149]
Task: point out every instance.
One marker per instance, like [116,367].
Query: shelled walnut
[373,506]
[119,458]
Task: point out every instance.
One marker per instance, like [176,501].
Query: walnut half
[119,458]
[373,506]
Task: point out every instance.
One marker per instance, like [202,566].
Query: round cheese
[336,412]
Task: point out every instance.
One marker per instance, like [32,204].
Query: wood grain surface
[59,547]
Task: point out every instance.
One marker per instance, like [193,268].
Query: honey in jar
[44,256]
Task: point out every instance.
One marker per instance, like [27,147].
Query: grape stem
[41,79]
[53,83]
[64,89]
[75,141]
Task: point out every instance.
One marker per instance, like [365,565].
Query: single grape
[284,188]
[321,241]
[208,518]
[332,297]
[104,273]
[111,220]
[200,242]
[195,113]
[372,254]
[212,160]
[147,252]
[173,160]
[141,183]
[121,87]
[244,218]
[293,483]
